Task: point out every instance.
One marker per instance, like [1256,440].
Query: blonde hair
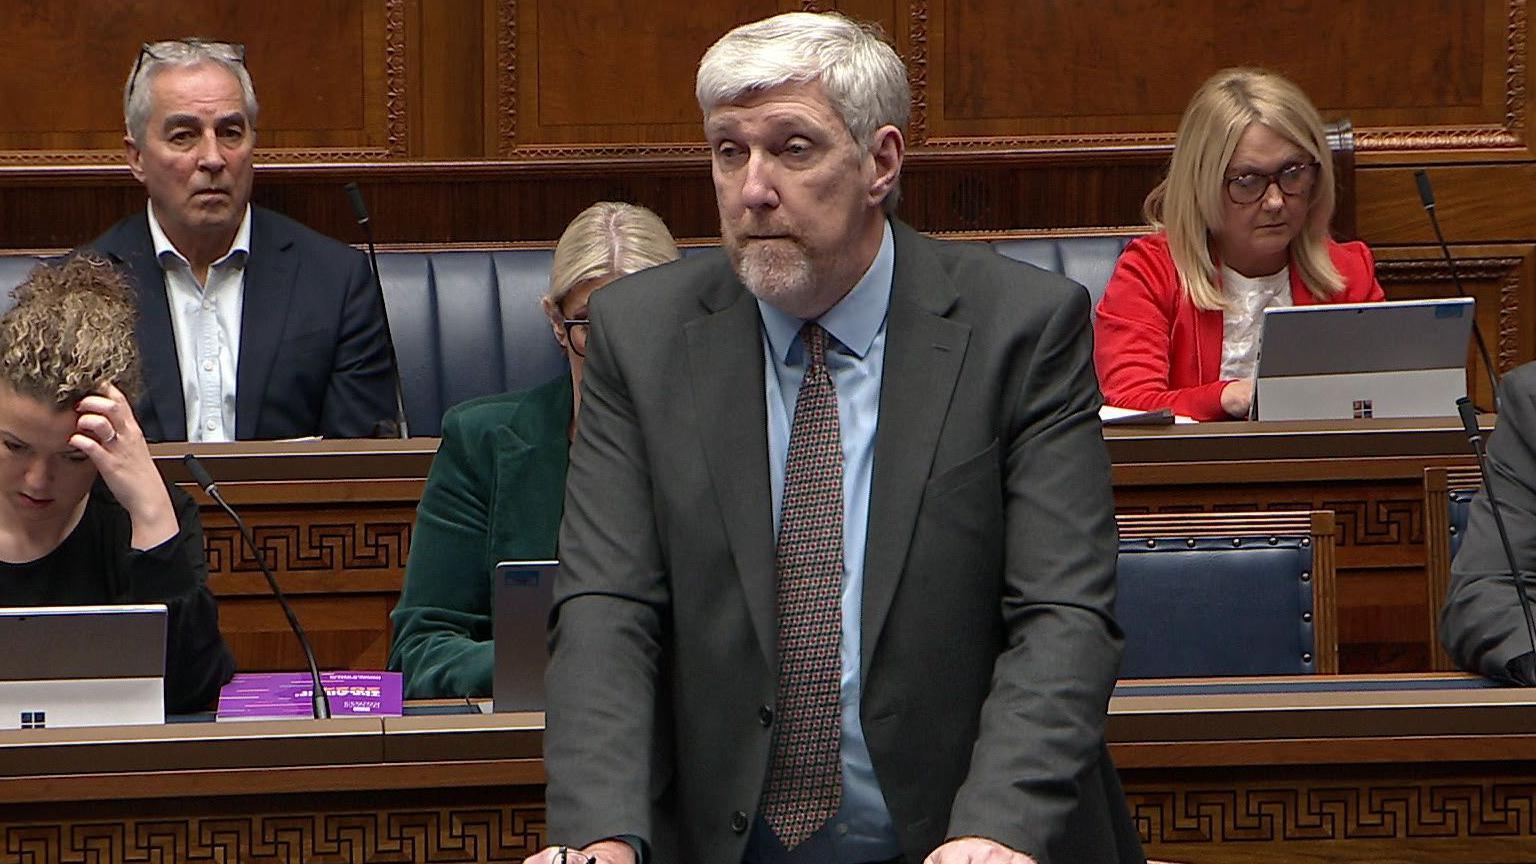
[1189,201]
[608,239]
[70,333]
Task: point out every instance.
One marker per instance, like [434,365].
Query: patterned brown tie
[805,772]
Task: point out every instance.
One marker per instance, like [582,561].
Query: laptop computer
[520,625]
[63,666]
[1353,360]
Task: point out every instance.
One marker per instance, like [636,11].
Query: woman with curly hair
[86,517]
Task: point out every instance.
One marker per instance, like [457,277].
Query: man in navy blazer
[250,324]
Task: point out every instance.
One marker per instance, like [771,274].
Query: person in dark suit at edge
[838,555]
[1482,626]
[250,324]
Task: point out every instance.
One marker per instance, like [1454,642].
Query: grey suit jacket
[313,358]
[1481,625]
[989,650]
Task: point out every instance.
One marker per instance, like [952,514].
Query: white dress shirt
[206,321]
[1243,320]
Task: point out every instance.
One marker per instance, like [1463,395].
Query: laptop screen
[520,626]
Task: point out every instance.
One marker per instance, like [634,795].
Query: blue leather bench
[468,323]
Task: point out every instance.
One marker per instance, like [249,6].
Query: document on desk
[286,695]
[1111,415]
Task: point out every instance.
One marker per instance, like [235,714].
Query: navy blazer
[313,356]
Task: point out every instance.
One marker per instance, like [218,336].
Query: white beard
[774,269]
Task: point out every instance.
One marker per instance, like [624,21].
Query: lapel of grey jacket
[268,292]
[924,351]
[725,360]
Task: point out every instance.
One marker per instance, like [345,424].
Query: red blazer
[1154,349]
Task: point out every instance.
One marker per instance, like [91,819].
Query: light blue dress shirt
[861,830]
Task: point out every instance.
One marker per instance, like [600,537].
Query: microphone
[1475,436]
[360,211]
[320,703]
[1427,198]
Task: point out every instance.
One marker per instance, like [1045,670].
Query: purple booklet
[282,695]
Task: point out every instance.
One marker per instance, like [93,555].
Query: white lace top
[1242,322]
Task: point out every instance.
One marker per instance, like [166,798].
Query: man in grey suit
[1482,625]
[838,552]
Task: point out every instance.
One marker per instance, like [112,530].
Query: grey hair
[180,54]
[860,73]
[609,238]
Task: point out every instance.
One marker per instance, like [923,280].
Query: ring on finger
[110,438]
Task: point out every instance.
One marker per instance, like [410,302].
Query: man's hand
[601,852]
[976,850]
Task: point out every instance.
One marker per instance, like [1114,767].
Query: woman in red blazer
[1243,217]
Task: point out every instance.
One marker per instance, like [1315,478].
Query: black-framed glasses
[1294,179]
[576,330]
[572,856]
[230,52]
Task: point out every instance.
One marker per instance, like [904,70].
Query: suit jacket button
[765,715]
[739,821]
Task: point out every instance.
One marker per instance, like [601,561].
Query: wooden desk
[335,517]
[1383,769]
[1369,472]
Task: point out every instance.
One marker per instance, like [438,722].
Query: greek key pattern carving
[498,833]
[1371,522]
[310,547]
[1395,811]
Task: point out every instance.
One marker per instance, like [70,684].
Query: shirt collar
[164,246]
[854,321]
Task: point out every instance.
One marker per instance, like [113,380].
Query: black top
[96,564]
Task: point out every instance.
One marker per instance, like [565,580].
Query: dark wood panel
[1068,67]
[1488,203]
[328,73]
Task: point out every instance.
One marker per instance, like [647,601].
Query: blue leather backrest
[14,269]
[467,324]
[1216,606]
[1088,261]
[1459,503]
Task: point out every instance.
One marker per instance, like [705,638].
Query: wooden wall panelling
[329,74]
[339,556]
[1100,75]
[447,66]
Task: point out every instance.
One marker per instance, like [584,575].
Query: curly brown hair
[70,333]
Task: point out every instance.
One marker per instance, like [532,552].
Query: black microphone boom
[1427,198]
[1475,436]
[360,210]
[319,702]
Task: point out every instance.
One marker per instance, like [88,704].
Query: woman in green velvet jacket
[497,485]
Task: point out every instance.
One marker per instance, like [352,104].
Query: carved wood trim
[458,833]
[395,86]
[1396,810]
[1509,135]
[506,77]
[917,71]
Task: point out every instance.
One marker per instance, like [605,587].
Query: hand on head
[107,432]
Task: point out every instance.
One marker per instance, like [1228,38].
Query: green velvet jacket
[495,493]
